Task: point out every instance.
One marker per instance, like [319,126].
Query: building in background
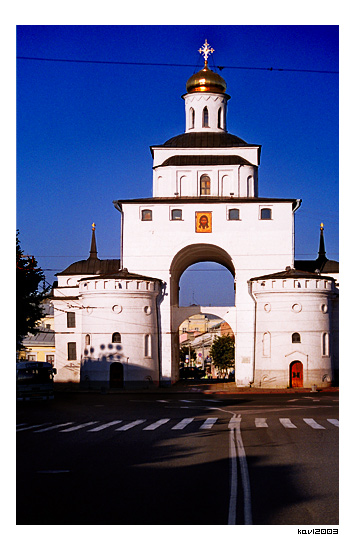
[41,346]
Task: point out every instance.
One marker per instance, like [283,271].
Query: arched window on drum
[205,121]
[205,185]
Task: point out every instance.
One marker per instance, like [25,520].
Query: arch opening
[206,284]
[196,254]
[197,335]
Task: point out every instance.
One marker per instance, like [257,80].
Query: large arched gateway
[205,207]
[187,256]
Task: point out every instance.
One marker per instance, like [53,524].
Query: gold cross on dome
[93,226]
[206,50]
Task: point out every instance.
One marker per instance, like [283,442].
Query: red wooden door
[296,374]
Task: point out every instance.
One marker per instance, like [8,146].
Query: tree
[186,351]
[222,352]
[28,295]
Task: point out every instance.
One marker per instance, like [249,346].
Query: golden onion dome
[206,81]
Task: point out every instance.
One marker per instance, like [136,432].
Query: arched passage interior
[186,257]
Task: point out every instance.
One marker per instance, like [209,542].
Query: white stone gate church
[117,321]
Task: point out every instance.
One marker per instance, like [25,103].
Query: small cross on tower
[206,51]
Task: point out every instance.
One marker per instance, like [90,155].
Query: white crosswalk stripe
[333,421]
[261,423]
[205,424]
[129,426]
[313,424]
[157,424]
[208,423]
[33,426]
[52,427]
[104,426]
[182,424]
[286,422]
[74,428]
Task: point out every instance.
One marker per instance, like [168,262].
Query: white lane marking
[244,475]
[19,425]
[130,425]
[286,422]
[182,424]
[52,427]
[186,401]
[261,423]
[162,401]
[32,426]
[104,426]
[157,424]
[232,512]
[333,421]
[313,424]
[208,423]
[74,428]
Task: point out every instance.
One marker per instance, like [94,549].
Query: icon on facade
[203,222]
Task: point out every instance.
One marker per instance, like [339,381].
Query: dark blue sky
[84,130]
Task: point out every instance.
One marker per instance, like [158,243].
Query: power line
[140,63]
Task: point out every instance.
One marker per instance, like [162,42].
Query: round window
[296,308]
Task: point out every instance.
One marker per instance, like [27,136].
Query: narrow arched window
[147,345]
[296,338]
[266,344]
[219,118]
[116,338]
[205,118]
[250,186]
[87,340]
[325,344]
[205,185]
[192,117]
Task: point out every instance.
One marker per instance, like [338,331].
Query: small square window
[265,214]
[176,214]
[146,215]
[233,214]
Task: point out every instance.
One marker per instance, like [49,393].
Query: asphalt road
[178,459]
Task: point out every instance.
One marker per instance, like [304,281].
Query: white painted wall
[284,307]
[105,306]
[255,246]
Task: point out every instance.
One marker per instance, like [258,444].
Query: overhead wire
[155,64]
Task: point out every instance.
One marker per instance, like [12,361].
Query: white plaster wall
[286,307]
[124,306]
[213,102]
[67,371]
[238,180]
[256,247]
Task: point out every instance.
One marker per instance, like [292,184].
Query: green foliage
[222,352]
[184,351]
[28,295]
